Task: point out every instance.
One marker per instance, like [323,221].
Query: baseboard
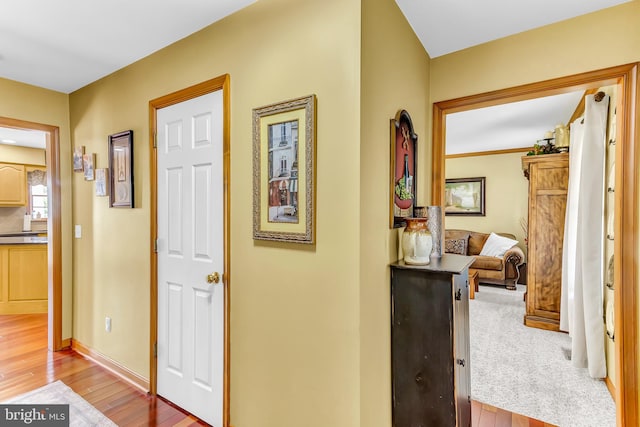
[111,365]
[610,387]
[66,344]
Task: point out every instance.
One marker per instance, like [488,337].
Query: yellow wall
[294,330]
[395,76]
[23,155]
[598,40]
[34,104]
[506,193]
[589,42]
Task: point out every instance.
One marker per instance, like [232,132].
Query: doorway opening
[54,227]
[626,202]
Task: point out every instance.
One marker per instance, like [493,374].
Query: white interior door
[190,256]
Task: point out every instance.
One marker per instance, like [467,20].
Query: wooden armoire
[548,176]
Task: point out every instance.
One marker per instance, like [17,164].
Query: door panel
[174,341]
[190,248]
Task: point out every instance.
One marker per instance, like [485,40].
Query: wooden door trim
[218,83]
[54,227]
[626,201]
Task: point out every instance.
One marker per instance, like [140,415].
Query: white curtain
[581,311]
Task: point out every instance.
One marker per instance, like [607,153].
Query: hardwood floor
[483,415]
[25,364]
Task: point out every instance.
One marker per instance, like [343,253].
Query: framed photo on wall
[78,153]
[121,168]
[102,182]
[464,196]
[284,152]
[88,165]
[403,181]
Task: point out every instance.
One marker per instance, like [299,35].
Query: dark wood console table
[431,382]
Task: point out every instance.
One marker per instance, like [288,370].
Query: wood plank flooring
[25,364]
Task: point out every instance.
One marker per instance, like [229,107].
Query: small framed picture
[78,152]
[121,168]
[102,182]
[88,163]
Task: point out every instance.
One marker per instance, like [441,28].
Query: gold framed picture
[284,150]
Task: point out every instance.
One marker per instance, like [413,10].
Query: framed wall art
[78,153]
[121,168]
[102,182]
[464,196]
[88,165]
[284,150]
[403,182]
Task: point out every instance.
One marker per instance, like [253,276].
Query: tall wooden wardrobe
[548,176]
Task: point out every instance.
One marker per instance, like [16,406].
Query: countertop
[21,233]
[24,240]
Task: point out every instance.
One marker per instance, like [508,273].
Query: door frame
[218,83]
[54,228]
[626,201]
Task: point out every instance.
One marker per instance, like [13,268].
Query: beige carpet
[81,412]
[525,370]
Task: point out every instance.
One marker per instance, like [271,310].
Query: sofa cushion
[455,246]
[487,263]
[496,245]
[456,234]
[476,242]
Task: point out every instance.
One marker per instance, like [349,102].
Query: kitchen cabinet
[13,185]
[431,382]
[23,278]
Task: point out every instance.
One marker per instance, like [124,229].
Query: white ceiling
[24,138]
[66,45]
[507,126]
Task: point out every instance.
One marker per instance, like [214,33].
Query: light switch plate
[78,231]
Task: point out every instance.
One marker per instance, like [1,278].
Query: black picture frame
[121,193]
[471,198]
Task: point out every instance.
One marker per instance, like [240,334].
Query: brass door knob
[213,278]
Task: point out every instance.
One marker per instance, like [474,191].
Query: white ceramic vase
[417,242]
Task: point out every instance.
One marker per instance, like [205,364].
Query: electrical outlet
[78,231]
[107,324]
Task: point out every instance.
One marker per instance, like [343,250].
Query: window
[38,205]
[38,201]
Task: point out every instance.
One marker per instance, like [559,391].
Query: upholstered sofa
[502,270]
